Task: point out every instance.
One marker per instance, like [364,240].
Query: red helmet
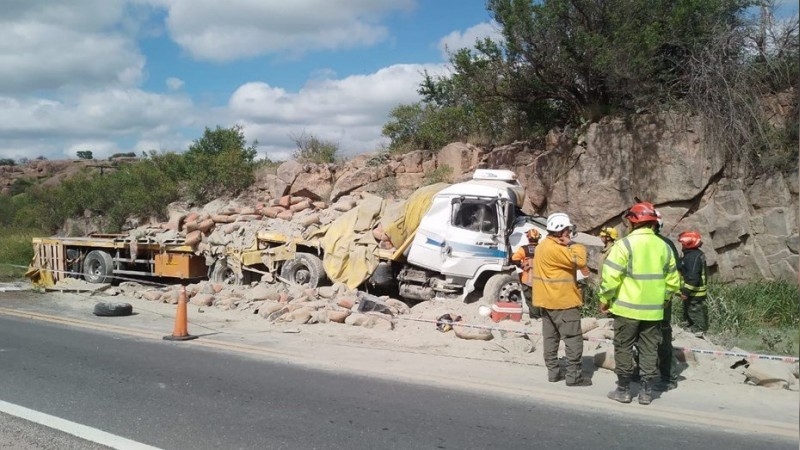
[642,212]
[690,239]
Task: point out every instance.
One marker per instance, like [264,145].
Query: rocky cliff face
[749,226]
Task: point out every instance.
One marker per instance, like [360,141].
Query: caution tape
[702,351]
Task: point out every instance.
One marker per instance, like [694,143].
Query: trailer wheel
[503,287]
[223,273]
[113,309]
[98,267]
[305,269]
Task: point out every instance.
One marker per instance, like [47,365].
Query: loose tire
[98,267]
[503,287]
[223,273]
[113,309]
[305,269]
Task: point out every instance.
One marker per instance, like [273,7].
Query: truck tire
[503,287]
[305,269]
[98,267]
[113,309]
[223,273]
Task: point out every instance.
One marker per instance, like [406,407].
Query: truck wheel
[224,274]
[503,287]
[305,269]
[98,267]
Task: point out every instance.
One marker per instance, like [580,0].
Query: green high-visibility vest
[638,274]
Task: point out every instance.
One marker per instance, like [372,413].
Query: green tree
[568,61]
[220,163]
[313,149]
[85,154]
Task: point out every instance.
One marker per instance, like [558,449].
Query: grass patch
[759,317]
[15,250]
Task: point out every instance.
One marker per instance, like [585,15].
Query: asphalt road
[174,396]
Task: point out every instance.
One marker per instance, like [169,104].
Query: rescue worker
[638,274]
[666,366]
[608,235]
[694,289]
[555,291]
[523,257]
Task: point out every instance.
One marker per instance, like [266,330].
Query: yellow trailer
[98,258]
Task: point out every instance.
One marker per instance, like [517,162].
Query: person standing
[666,366]
[555,291]
[694,289]
[608,235]
[638,274]
[523,257]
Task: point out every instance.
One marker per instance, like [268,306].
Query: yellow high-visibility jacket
[638,274]
[554,277]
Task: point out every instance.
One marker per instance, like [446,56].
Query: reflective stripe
[554,280]
[689,287]
[613,265]
[639,306]
[627,245]
[647,276]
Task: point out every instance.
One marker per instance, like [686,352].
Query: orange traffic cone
[181,331]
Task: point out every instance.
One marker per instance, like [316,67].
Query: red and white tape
[702,351]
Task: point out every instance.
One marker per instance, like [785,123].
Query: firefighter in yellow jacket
[555,291]
[638,275]
[523,257]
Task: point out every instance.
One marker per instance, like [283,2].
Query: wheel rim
[94,269]
[511,292]
[228,277]
[302,275]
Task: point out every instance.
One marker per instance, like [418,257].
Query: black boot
[646,393]
[622,393]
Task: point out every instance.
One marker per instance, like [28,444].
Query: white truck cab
[464,237]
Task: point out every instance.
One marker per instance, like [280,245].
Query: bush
[15,250]
[441,174]
[311,149]
[122,155]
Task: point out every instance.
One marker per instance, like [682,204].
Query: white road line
[75,429]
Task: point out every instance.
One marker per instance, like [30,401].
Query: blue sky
[137,75]
[116,76]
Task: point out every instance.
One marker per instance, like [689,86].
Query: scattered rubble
[286,307]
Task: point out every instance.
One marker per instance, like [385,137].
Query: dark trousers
[695,314]
[666,365]
[646,335]
[534,312]
[557,325]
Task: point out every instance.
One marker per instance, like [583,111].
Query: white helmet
[558,221]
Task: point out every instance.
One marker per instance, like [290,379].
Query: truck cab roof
[488,183]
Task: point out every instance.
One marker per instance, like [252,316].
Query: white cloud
[47,45]
[224,31]
[174,84]
[58,127]
[350,111]
[458,40]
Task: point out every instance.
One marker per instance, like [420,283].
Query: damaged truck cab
[462,242]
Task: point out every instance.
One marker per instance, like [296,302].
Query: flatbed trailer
[99,258]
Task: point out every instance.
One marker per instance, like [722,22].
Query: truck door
[474,237]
